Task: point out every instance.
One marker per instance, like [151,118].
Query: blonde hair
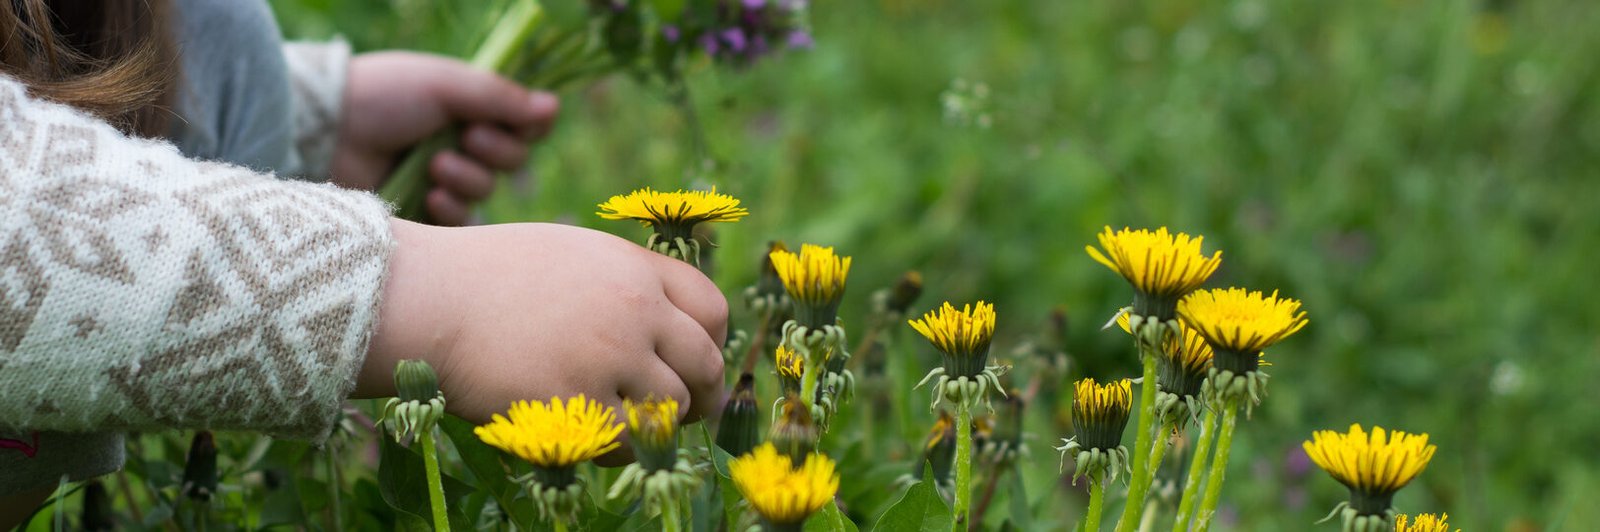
[115,59]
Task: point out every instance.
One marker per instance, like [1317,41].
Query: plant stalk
[430,460]
[670,522]
[335,485]
[1140,484]
[958,521]
[1097,503]
[1219,467]
[1197,467]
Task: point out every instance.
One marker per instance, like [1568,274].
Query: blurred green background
[1421,173]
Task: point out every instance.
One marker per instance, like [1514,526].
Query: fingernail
[544,102]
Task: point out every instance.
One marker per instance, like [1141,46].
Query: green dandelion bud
[739,430]
[200,471]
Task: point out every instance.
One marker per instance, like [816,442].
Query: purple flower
[800,40]
[710,44]
[735,39]
[671,33]
[754,4]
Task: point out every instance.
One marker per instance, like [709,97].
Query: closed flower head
[790,368]
[962,336]
[1100,412]
[1373,465]
[554,435]
[1185,360]
[1422,523]
[780,492]
[814,278]
[1239,323]
[653,425]
[1161,266]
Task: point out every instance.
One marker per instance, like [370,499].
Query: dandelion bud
[200,471]
[794,433]
[414,380]
[739,432]
[1099,415]
[904,293]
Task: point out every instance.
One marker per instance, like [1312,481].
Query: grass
[1420,173]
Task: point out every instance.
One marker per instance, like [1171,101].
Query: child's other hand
[531,311]
[393,100]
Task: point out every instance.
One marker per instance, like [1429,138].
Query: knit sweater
[140,289]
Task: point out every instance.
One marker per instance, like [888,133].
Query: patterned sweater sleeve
[142,290]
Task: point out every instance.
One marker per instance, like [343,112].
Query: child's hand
[393,100]
[531,311]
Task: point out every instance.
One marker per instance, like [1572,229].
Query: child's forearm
[140,289]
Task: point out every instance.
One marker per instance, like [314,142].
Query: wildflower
[555,437]
[660,476]
[790,367]
[939,450]
[1424,523]
[815,280]
[738,432]
[1239,324]
[1099,415]
[672,216]
[962,338]
[1373,466]
[896,301]
[782,492]
[1162,267]
[768,294]
[793,430]
[419,406]
[1183,362]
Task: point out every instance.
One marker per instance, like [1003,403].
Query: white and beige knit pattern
[140,289]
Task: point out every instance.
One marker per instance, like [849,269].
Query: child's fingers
[462,177]
[696,361]
[445,208]
[697,296]
[495,147]
[650,377]
[474,95]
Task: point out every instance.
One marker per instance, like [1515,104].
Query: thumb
[472,95]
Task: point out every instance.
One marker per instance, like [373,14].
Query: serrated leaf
[920,509]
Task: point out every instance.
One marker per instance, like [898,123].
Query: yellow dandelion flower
[1100,412]
[556,434]
[815,280]
[790,364]
[1239,323]
[944,428]
[1162,267]
[1374,466]
[962,336]
[653,425]
[780,492]
[673,213]
[1423,523]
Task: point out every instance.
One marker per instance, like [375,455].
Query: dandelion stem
[958,522]
[1158,452]
[1141,448]
[808,383]
[1197,467]
[1219,467]
[1097,503]
[430,460]
[560,525]
[670,522]
[335,485]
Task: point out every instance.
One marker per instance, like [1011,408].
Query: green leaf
[1021,515]
[920,509]
[830,519]
[403,482]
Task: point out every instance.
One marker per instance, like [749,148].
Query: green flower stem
[407,187]
[335,485]
[1219,467]
[430,460]
[560,525]
[1158,451]
[963,468]
[1197,467]
[1097,503]
[1141,448]
[670,522]
[808,383]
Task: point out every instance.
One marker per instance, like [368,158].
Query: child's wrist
[412,305]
